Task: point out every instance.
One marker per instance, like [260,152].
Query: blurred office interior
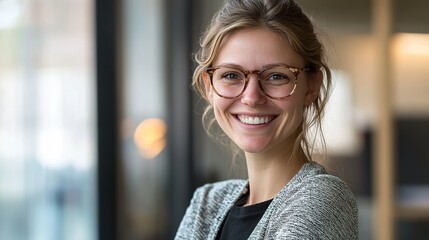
[101,135]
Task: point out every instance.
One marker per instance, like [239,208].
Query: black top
[240,221]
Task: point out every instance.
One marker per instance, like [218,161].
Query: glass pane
[143,160]
[47,136]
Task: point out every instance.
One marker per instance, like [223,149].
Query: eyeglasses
[276,81]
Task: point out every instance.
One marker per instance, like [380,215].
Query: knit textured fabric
[313,205]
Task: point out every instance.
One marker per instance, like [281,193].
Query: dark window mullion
[179,97]
[106,22]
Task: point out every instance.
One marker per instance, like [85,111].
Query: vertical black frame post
[179,95]
[106,21]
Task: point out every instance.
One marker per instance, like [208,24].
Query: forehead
[255,48]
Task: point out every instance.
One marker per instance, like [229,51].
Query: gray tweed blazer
[313,205]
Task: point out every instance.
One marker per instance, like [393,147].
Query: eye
[231,76]
[277,79]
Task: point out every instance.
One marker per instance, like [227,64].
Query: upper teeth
[254,120]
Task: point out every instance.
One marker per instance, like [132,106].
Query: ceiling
[355,15]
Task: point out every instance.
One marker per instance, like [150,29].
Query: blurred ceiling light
[411,43]
[150,137]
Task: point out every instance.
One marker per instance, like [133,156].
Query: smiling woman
[281,103]
[262,71]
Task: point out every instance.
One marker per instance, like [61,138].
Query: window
[47,136]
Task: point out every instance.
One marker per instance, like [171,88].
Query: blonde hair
[283,17]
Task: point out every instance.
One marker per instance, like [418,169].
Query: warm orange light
[410,58]
[150,137]
[411,44]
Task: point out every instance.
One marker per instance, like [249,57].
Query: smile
[255,120]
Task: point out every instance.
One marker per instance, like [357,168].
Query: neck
[269,173]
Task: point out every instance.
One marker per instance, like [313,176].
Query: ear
[314,83]
[207,86]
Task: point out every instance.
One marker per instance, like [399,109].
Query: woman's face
[255,122]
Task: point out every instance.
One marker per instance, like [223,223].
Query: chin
[253,147]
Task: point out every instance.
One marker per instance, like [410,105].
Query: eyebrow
[233,65]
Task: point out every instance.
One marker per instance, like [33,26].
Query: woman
[262,71]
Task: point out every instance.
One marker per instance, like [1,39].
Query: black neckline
[240,209]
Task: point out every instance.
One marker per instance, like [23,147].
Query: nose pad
[253,93]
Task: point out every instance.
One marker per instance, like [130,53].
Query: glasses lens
[228,82]
[278,82]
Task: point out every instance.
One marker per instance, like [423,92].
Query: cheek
[220,108]
[223,119]
[299,97]
[291,119]
[220,104]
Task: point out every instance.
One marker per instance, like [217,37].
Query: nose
[253,94]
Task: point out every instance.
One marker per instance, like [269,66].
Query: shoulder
[329,199]
[219,190]
[223,186]
[317,180]
[319,183]
[314,182]
[214,196]
[319,204]
[209,204]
